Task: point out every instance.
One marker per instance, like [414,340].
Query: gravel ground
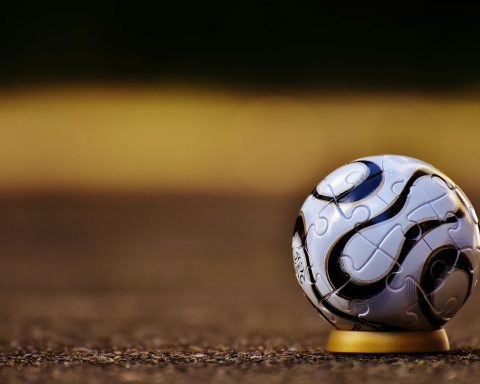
[111,290]
[328,369]
[123,338]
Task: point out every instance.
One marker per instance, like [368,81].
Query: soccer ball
[386,243]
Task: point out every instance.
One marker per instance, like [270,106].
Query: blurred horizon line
[237,89]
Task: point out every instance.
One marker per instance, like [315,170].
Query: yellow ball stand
[388,342]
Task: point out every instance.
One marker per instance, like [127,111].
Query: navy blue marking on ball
[360,191]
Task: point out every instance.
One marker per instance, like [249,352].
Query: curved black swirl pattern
[449,258]
[300,231]
[341,280]
[350,290]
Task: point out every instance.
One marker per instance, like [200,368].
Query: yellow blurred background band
[181,139]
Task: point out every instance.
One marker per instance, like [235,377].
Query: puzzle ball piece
[386,243]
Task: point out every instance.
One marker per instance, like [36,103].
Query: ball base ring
[388,342]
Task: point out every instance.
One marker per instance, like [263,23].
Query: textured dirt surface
[226,337]
[162,289]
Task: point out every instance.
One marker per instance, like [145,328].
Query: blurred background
[153,157]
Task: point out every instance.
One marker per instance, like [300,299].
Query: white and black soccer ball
[386,243]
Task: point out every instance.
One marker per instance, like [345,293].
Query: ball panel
[368,233]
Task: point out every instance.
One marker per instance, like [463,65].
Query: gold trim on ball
[388,342]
